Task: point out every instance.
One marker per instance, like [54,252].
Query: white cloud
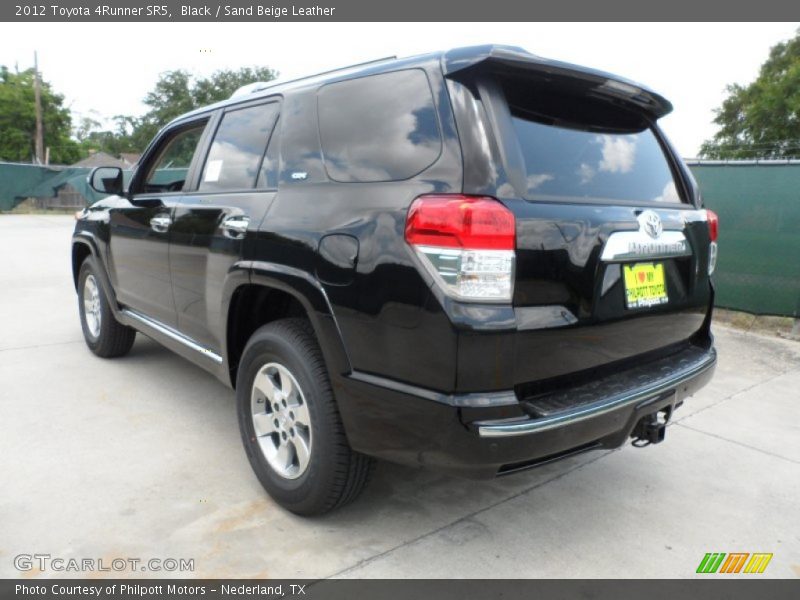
[669,194]
[619,153]
[536,180]
[586,173]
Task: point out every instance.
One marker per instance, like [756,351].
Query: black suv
[477,260]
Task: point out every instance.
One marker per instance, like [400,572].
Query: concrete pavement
[140,457]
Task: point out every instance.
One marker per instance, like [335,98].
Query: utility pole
[37,95]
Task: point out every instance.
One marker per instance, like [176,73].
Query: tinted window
[568,164]
[577,146]
[168,171]
[235,156]
[378,128]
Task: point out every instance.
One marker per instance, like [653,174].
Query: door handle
[235,227]
[160,223]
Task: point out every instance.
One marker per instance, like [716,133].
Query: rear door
[140,232]
[611,250]
[237,182]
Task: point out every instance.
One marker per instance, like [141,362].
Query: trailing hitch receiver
[651,429]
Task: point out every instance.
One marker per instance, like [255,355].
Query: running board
[172,334]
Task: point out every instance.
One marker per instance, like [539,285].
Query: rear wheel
[104,335]
[290,425]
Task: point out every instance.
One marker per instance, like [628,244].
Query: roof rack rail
[252,88]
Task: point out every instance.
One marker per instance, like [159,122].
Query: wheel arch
[272,292]
[83,246]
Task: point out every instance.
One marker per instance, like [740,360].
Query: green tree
[18,120]
[762,120]
[114,141]
[175,93]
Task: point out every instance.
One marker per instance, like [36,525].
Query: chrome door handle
[160,223]
[235,227]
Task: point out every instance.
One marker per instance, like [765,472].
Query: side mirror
[106,180]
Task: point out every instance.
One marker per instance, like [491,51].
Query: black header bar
[404,10]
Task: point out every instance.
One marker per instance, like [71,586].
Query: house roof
[130,157]
[101,159]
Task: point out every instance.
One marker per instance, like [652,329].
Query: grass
[763,324]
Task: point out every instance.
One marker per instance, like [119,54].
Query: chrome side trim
[524,427]
[172,334]
[627,245]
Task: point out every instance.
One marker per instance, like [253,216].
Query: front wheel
[104,335]
[290,425]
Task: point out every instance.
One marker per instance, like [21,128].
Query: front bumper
[463,434]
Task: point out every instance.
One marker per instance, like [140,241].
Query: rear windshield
[579,148]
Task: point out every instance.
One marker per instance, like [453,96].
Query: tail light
[466,243]
[713,233]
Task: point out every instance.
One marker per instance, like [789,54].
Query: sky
[106,69]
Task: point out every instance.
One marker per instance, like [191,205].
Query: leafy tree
[111,141]
[762,120]
[18,120]
[177,92]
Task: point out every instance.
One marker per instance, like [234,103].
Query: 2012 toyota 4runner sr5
[477,260]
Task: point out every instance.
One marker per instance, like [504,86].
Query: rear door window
[238,148]
[579,149]
[378,128]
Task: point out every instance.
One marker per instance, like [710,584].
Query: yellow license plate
[645,285]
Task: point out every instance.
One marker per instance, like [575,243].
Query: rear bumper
[483,435]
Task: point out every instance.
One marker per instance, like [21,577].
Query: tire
[104,335]
[285,356]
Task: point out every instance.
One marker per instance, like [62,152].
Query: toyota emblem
[650,223]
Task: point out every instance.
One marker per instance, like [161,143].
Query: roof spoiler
[599,82]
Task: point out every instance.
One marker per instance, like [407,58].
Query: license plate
[645,285]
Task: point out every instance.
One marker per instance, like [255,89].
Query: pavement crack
[742,444]
[730,397]
[466,517]
[40,345]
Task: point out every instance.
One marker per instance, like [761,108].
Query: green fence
[758,203]
[18,182]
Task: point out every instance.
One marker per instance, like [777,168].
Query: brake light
[473,222]
[713,224]
[713,233]
[466,243]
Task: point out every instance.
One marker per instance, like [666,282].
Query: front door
[140,231]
